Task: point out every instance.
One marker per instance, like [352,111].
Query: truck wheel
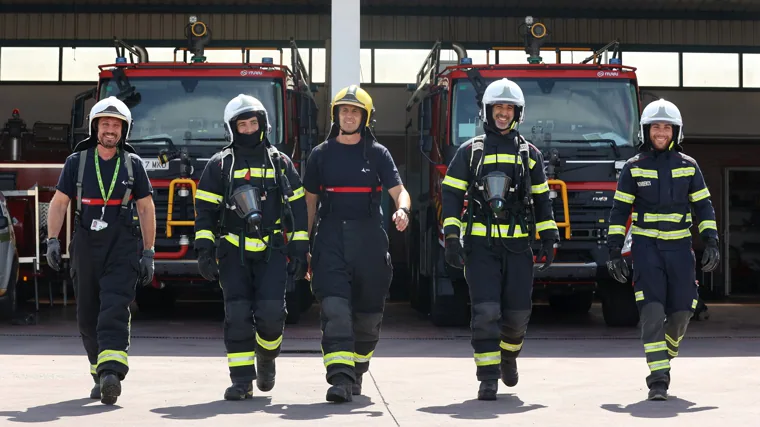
[618,304]
[575,303]
[155,301]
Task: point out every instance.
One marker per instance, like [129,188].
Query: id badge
[98,225]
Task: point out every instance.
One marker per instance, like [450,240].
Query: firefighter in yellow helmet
[351,266]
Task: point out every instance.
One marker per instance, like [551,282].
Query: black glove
[297,264]
[711,256]
[54,254]
[207,265]
[146,267]
[547,250]
[617,267]
[454,253]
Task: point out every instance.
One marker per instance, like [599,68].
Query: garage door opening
[742,232]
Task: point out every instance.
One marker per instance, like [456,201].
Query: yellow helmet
[353,95]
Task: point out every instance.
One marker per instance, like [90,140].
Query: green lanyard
[106,197]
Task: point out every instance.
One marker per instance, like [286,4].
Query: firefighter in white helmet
[663,186]
[251,218]
[110,186]
[508,202]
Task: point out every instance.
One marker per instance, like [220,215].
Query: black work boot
[265,372]
[110,387]
[341,388]
[488,389]
[509,372]
[658,391]
[95,392]
[356,388]
[239,391]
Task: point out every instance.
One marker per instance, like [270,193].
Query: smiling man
[351,265]
[663,186]
[111,189]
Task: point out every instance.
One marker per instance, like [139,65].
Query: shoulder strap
[80,177]
[476,157]
[130,179]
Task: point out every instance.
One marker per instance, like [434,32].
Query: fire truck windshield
[574,112]
[173,106]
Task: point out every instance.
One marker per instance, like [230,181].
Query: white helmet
[503,91]
[661,111]
[111,107]
[242,104]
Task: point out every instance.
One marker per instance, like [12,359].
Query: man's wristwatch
[406,211]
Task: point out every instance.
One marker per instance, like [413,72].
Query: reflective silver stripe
[616,229]
[699,195]
[624,197]
[643,173]
[363,358]
[655,346]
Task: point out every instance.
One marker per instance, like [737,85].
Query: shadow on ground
[55,411]
[670,408]
[482,410]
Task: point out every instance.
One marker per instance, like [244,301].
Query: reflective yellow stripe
[616,229]
[300,235]
[208,196]
[94,369]
[113,356]
[655,346]
[699,195]
[643,173]
[662,235]
[298,193]
[205,234]
[342,357]
[255,173]
[363,358]
[241,359]
[546,225]
[683,172]
[501,158]
[251,244]
[673,342]
[268,345]
[672,353]
[708,225]
[540,188]
[455,183]
[531,163]
[624,197]
[479,229]
[659,365]
[639,296]
[510,347]
[694,304]
[672,217]
[635,216]
[487,359]
[452,221]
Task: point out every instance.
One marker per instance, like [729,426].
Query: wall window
[751,69]
[162,54]
[365,64]
[654,68]
[711,70]
[81,64]
[398,65]
[319,65]
[29,63]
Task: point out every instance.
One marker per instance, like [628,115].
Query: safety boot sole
[234,393]
[339,394]
[110,389]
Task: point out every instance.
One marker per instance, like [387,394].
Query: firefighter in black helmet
[351,266]
[508,203]
[107,179]
[250,199]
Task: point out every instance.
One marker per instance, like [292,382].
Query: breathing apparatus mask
[247,200]
[496,191]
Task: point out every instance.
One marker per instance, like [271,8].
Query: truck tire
[618,304]
[575,303]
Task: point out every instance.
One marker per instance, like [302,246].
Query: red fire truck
[583,117]
[177,111]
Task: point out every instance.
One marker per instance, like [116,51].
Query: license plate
[153,165]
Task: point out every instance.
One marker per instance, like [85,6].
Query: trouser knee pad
[485,320]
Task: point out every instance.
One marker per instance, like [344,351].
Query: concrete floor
[574,371]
